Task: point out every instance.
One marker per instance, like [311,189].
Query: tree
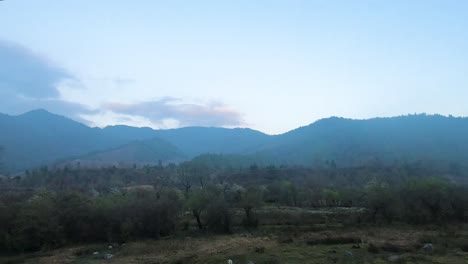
[199,172]
[37,224]
[283,192]
[5,219]
[428,200]
[184,178]
[197,203]
[251,199]
[331,197]
[380,200]
[73,213]
[219,215]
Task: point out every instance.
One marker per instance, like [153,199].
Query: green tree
[331,197]
[219,215]
[251,199]
[37,224]
[197,203]
[428,200]
[381,201]
[73,210]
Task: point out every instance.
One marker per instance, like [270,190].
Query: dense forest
[48,208]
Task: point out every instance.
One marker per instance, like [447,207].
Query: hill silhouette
[40,138]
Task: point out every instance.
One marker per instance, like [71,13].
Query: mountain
[144,152]
[195,141]
[129,133]
[39,138]
[351,142]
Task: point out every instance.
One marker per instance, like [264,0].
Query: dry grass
[288,245]
[188,250]
[388,239]
[403,242]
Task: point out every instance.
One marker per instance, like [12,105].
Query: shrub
[373,248]
[335,241]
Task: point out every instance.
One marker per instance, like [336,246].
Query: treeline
[48,219]
[51,208]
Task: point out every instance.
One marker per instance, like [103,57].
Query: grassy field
[286,235]
[335,245]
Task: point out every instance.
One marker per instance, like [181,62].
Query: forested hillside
[356,142]
[141,152]
[40,138]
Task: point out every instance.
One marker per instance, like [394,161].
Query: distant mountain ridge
[354,142]
[142,152]
[39,138]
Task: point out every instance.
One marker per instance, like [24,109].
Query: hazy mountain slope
[353,142]
[150,151]
[194,141]
[39,137]
[129,133]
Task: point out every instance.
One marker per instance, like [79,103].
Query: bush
[464,247]
[48,220]
[219,217]
[373,248]
[396,248]
[335,241]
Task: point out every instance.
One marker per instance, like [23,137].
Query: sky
[265,64]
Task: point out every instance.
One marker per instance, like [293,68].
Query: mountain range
[39,138]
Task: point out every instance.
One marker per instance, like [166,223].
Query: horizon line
[221,127]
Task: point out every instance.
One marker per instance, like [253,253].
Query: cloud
[28,74]
[184,114]
[29,81]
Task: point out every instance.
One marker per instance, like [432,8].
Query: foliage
[54,207]
[251,199]
[197,204]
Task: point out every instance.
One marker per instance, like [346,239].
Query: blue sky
[268,65]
